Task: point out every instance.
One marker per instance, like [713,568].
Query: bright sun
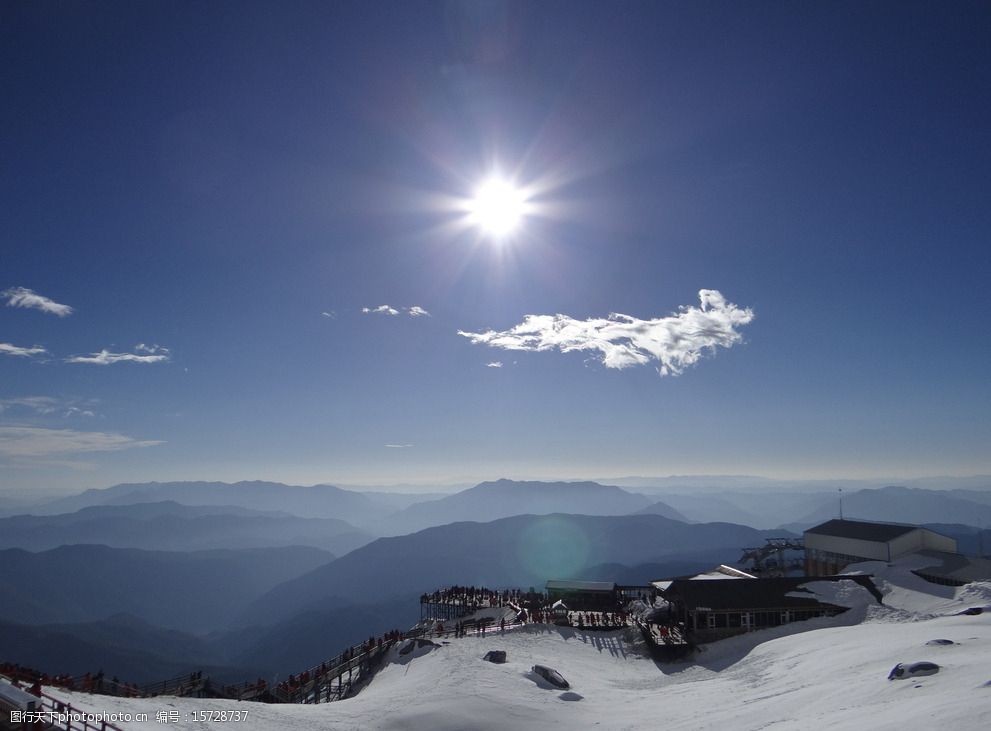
[497,208]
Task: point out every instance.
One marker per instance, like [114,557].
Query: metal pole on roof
[841,502]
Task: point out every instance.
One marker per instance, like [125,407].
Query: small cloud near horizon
[380,310]
[22,442]
[414,311]
[398,446]
[674,342]
[152,354]
[47,405]
[29,299]
[494,364]
[16,350]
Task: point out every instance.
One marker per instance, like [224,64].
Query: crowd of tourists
[477,597]
[25,677]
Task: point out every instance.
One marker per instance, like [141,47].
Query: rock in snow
[904,670]
[551,675]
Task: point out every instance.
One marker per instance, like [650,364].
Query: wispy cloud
[494,364]
[47,405]
[151,354]
[24,297]
[674,342]
[398,446]
[380,310]
[76,411]
[414,311]
[329,314]
[8,349]
[22,442]
[37,404]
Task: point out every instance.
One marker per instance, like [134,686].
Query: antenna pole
[841,502]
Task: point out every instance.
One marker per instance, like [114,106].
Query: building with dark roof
[835,544]
[585,595]
[710,609]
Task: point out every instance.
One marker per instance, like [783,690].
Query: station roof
[773,593]
[555,585]
[722,571]
[862,530]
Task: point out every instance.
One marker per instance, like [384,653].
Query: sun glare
[497,208]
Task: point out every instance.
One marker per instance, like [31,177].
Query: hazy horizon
[699,482]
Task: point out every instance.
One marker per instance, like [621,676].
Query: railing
[54,713]
[64,716]
[662,635]
[169,686]
[320,678]
[98,684]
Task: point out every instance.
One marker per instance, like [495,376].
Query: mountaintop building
[835,544]
[717,604]
[600,595]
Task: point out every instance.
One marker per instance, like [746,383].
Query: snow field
[821,674]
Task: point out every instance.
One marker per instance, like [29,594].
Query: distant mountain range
[169,526]
[522,550]
[694,499]
[662,508]
[194,591]
[316,501]
[245,503]
[127,647]
[272,596]
[755,483]
[504,498]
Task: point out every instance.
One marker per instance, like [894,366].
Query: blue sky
[206,180]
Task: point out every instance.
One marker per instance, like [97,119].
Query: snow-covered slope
[827,676]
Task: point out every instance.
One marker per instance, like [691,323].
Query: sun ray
[497,208]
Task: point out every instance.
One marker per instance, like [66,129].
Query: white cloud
[46,405]
[23,297]
[331,314]
[494,364]
[398,446]
[380,310]
[154,354]
[37,404]
[21,442]
[75,411]
[675,342]
[414,311]
[8,349]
